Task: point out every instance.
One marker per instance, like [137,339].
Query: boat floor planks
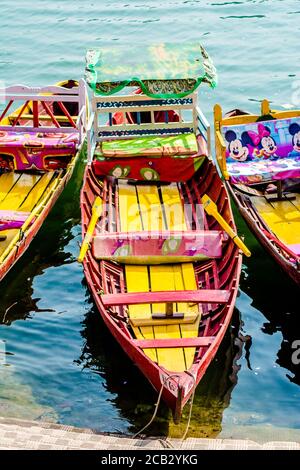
[20,192]
[282,217]
[136,205]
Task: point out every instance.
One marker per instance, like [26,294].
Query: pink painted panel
[12,219]
[150,244]
[295,248]
[194,296]
[28,149]
[174,343]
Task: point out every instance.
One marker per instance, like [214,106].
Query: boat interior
[38,141]
[166,277]
[281,216]
[20,193]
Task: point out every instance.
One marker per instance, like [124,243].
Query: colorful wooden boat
[162,270]
[41,134]
[259,156]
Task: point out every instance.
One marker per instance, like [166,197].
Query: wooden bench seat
[189,296]
[174,342]
[158,247]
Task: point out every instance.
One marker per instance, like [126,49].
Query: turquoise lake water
[61,362]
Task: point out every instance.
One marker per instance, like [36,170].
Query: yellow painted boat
[41,134]
[259,156]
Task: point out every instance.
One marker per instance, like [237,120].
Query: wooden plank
[296,202]
[7,181]
[187,319]
[14,91]
[137,279]
[191,296]
[130,220]
[150,207]
[170,278]
[172,207]
[20,192]
[185,279]
[136,276]
[20,186]
[37,191]
[282,217]
[162,278]
[174,343]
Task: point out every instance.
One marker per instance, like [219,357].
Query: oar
[248,190]
[96,213]
[211,208]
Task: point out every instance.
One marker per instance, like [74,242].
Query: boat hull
[36,165]
[18,250]
[256,224]
[171,394]
[177,387]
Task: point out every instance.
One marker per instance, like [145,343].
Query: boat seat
[191,297]
[219,296]
[12,219]
[183,144]
[175,161]
[36,150]
[198,341]
[295,248]
[158,247]
[141,322]
[263,151]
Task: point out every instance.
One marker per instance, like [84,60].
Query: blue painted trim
[128,104]
[203,135]
[185,130]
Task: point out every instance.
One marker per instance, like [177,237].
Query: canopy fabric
[165,70]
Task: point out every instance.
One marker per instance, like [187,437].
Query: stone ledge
[32,435]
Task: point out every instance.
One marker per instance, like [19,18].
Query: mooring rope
[191,405]
[158,403]
[156,406]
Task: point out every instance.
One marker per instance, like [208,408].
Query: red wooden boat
[159,262]
[41,134]
[259,156]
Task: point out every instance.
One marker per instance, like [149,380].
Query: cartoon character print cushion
[278,138]
[294,130]
[237,148]
[265,145]
[263,150]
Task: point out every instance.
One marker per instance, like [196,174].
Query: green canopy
[161,71]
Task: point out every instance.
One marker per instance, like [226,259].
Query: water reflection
[134,397]
[274,295]
[18,401]
[47,250]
